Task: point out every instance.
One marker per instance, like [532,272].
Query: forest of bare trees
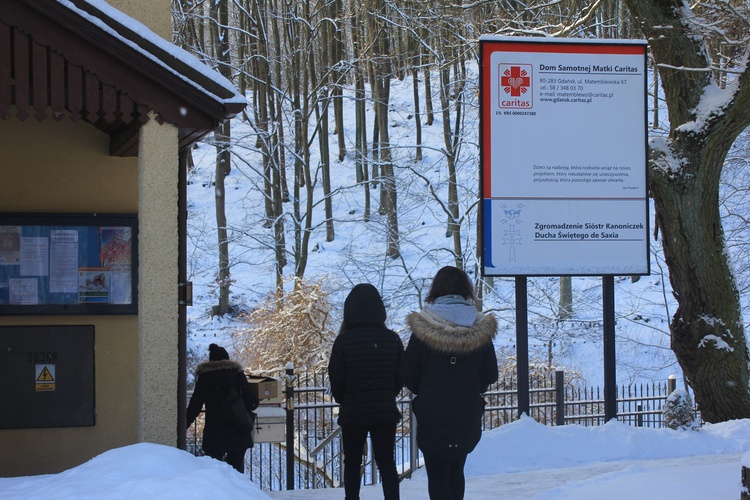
[293,58]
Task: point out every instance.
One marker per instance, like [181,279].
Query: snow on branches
[290,326]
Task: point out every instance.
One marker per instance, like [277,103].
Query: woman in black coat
[449,363]
[364,372]
[221,439]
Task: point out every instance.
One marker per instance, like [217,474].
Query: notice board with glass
[68,264]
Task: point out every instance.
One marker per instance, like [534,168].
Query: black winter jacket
[448,367]
[365,365]
[211,387]
[364,372]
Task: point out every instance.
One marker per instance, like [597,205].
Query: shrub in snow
[288,326]
[541,375]
[678,410]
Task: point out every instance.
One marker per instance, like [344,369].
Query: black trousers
[234,458]
[383,439]
[445,477]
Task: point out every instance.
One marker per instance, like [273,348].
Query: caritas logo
[515,89]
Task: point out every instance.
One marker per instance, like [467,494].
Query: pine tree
[678,410]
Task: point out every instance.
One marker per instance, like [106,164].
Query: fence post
[639,420]
[413,449]
[289,426]
[560,397]
[373,466]
[671,384]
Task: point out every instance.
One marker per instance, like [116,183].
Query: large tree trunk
[336,50]
[708,337]
[322,104]
[380,84]
[223,158]
[303,175]
[565,304]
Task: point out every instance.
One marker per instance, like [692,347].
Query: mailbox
[270,425]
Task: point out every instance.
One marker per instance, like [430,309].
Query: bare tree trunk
[306,177]
[222,136]
[262,100]
[322,101]
[377,170]
[381,93]
[243,44]
[452,92]
[707,331]
[278,117]
[417,115]
[270,127]
[655,125]
[429,108]
[336,54]
[565,304]
[354,28]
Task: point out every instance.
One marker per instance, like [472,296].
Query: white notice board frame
[563,152]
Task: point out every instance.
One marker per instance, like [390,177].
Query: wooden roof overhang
[83,60]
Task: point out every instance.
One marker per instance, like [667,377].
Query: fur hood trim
[446,337]
[222,364]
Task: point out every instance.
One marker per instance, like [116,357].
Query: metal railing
[318,459]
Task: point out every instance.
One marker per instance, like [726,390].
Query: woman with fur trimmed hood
[449,363]
[221,440]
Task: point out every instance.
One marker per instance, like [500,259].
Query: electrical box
[270,425]
[46,376]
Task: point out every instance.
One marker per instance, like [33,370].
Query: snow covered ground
[520,460]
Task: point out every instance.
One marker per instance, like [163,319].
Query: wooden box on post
[266,388]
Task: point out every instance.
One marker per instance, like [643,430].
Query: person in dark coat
[221,439]
[449,363]
[364,372]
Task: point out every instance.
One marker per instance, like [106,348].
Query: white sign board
[563,157]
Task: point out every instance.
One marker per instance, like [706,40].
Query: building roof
[84,60]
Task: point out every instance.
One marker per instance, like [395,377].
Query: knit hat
[216,353]
[364,306]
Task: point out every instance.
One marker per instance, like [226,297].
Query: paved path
[680,478]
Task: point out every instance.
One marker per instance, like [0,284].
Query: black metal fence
[317,457]
[553,401]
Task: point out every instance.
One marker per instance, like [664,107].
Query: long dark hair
[451,280]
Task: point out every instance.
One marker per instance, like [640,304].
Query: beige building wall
[156,14]
[65,167]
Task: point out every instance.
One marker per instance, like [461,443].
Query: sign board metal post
[610,373]
[522,346]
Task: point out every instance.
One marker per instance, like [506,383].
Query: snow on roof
[117,24]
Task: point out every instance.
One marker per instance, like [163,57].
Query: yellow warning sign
[45,377]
